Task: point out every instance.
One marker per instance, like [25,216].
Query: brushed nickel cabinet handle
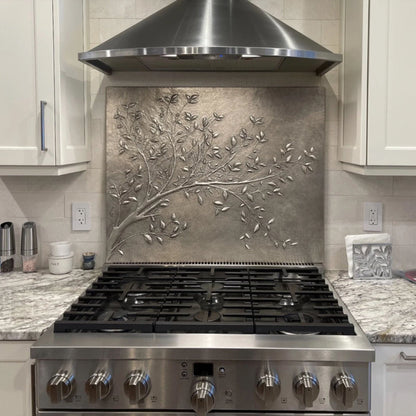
[43,147]
[407,357]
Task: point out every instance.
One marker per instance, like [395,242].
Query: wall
[48,200]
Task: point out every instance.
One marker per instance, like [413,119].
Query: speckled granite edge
[31,302]
[385,309]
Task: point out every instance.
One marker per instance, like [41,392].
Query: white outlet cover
[79,221]
[378,208]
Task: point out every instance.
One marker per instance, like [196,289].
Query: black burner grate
[207,300]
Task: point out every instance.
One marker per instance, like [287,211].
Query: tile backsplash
[47,201]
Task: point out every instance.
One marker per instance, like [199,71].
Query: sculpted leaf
[148,238]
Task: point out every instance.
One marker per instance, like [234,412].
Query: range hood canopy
[211,35]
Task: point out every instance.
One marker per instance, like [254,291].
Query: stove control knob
[268,387]
[345,388]
[137,385]
[306,388]
[99,385]
[60,386]
[202,399]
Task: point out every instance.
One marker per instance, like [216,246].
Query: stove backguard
[215,174]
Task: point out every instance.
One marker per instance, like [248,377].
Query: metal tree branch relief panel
[215,174]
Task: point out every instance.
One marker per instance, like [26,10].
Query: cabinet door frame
[388,95]
[35,56]
[387,359]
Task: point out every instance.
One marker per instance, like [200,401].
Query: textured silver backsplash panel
[215,174]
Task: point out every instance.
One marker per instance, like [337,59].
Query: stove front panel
[215,175]
[171,384]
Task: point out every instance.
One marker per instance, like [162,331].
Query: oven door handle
[407,357]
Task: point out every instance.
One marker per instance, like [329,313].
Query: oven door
[82,413]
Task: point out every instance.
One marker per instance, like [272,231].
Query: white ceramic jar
[61,264]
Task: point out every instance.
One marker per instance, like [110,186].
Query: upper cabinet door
[72,143]
[392,86]
[26,79]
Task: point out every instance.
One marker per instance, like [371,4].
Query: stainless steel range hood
[211,35]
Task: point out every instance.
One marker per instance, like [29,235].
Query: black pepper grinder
[7,247]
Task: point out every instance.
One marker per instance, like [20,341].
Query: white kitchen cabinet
[15,378]
[39,43]
[393,380]
[378,90]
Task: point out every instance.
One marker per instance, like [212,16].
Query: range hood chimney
[211,35]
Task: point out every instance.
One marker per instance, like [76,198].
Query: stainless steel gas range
[212,299]
[167,340]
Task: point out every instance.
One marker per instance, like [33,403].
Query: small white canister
[60,248]
[61,264]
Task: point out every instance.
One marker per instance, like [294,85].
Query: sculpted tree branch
[170,149]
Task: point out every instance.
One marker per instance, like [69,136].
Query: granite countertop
[31,302]
[385,309]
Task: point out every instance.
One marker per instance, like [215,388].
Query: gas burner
[213,302]
[212,286]
[293,276]
[134,299]
[207,316]
[113,317]
[298,318]
[286,300]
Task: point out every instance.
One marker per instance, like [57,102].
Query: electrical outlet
[373,216]
[81,216]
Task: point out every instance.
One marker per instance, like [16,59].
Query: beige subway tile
[98,145]
[331,158]
[332,131]
[345,183]
[312,9]
[331,81]
[32,205]
[91,180]
[274,7]
[60,229]
[335,257]
[404,185]
[111,27]
[330,32]
[97,81]
[335,232]
[331,106]
[98,106]
[145,8]
[403,257]
[94,29]
[404,233]
[343,208]
[110,9]
[400,208]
